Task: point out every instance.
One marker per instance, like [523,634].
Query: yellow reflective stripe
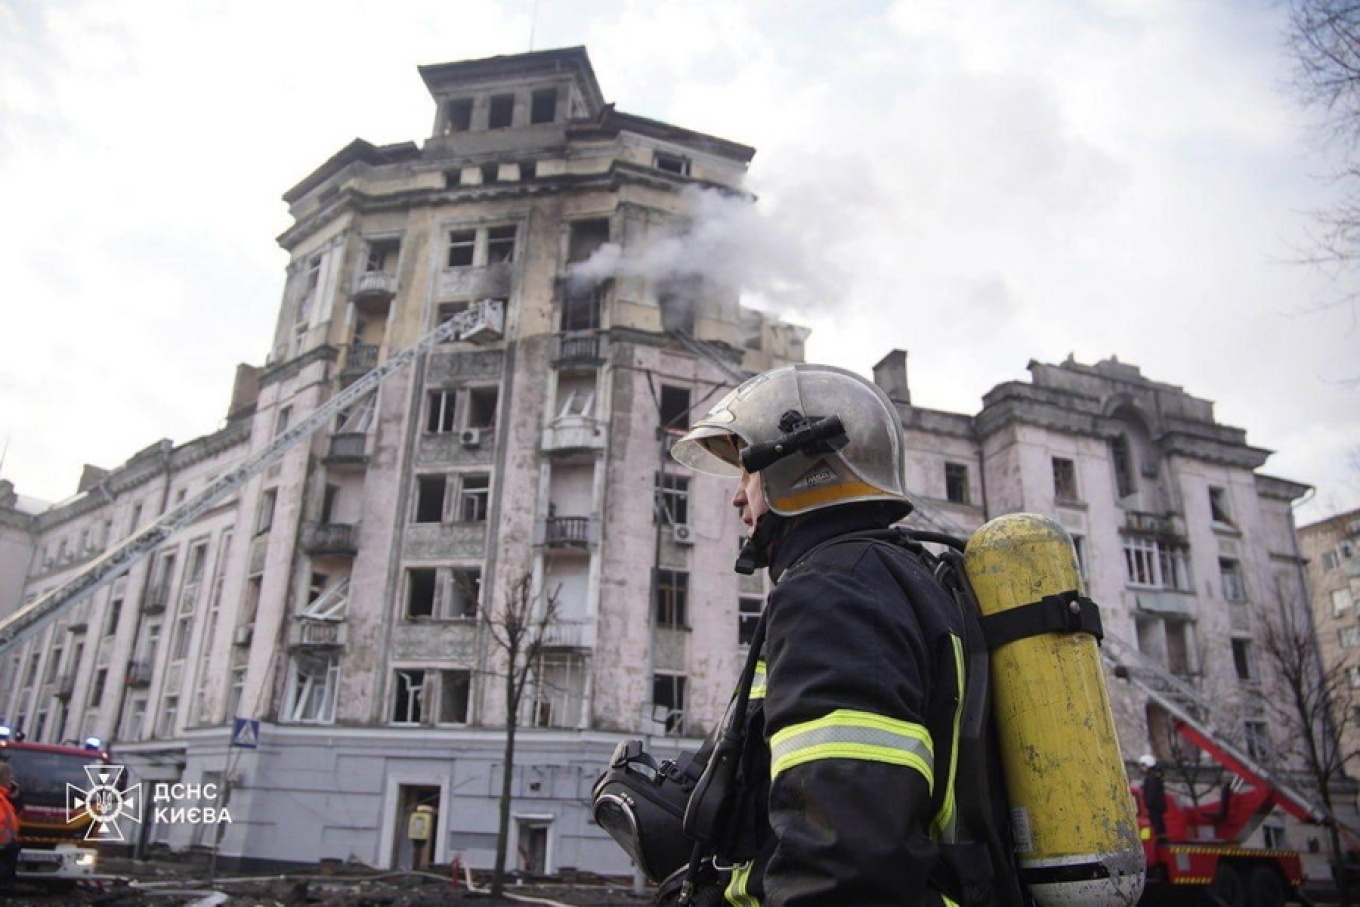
[948,901]
[758,681]
[850,734]
[736,887]
[944,825]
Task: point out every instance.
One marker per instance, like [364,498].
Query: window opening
[1218,506]
[500,244]
[956,483]
[1243,660]
[462,245]
[674,408]
[1122,458]
[671,163]
[458,115]
[543,106]
[1342,601]
[672,599]
[440,419]
[668,701]
[447,311]
[453,179]
[465,592]
[473,500]
[528,170]
[1065,479]
[586,237]
[482,407]
[409,700]
[672,499]
[490,173]
[265,519]
[454,695]
[430,498]
[421,583]
[502,111]
[1234,586]
[310,697]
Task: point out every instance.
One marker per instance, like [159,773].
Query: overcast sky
[980,183]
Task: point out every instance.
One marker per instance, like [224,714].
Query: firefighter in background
[852,727]
[9,829]
[420,829]
[1154,795]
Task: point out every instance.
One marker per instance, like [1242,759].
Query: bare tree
[1315,705]
[519,629]
[1324,36]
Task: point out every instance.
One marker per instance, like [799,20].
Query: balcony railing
[567,530]
[154,602]
[331,538]
[374,285]
[359,359]
[577,347]
[349,447]
[565,634]
[1145,523]
[139,673]
[309,632]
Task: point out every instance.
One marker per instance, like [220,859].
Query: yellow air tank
[1076,831]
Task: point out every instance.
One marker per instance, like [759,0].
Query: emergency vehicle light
[93,743]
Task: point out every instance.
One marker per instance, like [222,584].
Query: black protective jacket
[852,728]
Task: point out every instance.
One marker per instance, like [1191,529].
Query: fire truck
[1204,850]
[54,841]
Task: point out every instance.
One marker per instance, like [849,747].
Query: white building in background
[337,599]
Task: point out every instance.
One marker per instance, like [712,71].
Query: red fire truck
[1203,852]
[54,839]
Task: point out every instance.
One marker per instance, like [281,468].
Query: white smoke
[726,242]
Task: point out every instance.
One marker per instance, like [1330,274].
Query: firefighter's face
[749,498]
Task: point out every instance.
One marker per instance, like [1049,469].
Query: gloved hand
[709,886]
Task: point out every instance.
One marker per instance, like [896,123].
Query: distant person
[9,830]
[1154,795]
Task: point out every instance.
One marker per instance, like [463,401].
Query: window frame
[672,599]
[956,482]
[1065,487]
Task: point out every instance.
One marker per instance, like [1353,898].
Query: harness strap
[1064,612]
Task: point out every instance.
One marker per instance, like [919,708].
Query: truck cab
[52,834]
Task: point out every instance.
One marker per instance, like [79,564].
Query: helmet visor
[710,449]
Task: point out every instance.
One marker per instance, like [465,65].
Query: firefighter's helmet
[1147,760]
[869,467]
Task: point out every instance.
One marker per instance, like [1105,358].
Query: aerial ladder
[482,322]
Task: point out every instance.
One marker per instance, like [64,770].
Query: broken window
[96,688]
[1218,506]
[453,178]
[310,695]
[500,244]
[1155,564]
[1234,585]
[440,418]
[421,584]
[490,173]
[472,501]
[465,590]
[447,311]
[528,170]
[1121,457]
[502,111]
[281,420]
[672,499]
[382,255]
[543,105]
[671,163]
[264,520]
[455,689]
[408,699]
[956,483]
[1258,740]
[586,237]
[458,115]
[1243,659]
[558,691]
[1079,546]
[674,404]
[672,598]
[668,701]
[462,246]
[430,498]
[748,615]
[678,298]
[482,407]
[582,302]
[114,614]
[1065,479]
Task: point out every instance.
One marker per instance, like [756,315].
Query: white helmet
[1147,760]
[869,466]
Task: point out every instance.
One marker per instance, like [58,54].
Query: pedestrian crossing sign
[246,733]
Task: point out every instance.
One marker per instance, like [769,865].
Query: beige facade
[1332,547]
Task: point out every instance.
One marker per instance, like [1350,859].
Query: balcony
[572,433]
[330,538]
[567,634]
[374,286]
[309,633]
[156,597]
[139,672]
[578,348]
[347,449]
[1144,523]
[360,358]
[66,685]
[568,531]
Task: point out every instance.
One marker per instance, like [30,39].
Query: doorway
[532,846]
[410,796]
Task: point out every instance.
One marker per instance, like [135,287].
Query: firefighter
[852,725]
[420,828]
[1154,795]
[9,830]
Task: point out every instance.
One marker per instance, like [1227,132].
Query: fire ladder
[1216,730]
[482,322]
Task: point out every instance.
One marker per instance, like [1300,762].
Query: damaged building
[341,598]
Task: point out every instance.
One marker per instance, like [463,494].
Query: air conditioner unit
[683,533]
[470,437]
[243,634]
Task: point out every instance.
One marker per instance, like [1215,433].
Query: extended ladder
[1216,726]
[481,322]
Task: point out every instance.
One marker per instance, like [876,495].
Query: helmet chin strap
[755,551]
